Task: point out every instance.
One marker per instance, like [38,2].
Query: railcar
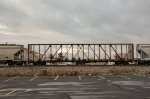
[81,54]
[143,54]
[11,54]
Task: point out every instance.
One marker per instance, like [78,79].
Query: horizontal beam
[88,44]
[10,45]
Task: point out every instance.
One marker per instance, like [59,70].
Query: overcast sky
[74,21]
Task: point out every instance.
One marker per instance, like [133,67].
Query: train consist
[74,54]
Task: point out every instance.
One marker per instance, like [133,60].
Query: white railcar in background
[11,54]
[143,53]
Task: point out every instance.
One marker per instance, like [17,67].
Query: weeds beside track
[74,70]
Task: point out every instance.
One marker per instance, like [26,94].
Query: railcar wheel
[10,64]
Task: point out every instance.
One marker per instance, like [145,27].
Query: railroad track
[31,66]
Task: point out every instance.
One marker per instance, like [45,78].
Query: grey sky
[74,21]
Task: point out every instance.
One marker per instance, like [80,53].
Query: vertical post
[21,53]
[51,53]
[136,51]
[33,52]
[28,52]
[72,52]
[77,51]
[121,51]
[94,52]
[39,52]
[67,51]
[110,51]
[99,53]
[127,52]
[61,48]
[105,52]
[44,52]
[56,51]
[88,52]
[83,50]
[61,53]
[116,52]
[132,51]
[141,52]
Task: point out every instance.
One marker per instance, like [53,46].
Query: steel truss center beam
[84,53]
